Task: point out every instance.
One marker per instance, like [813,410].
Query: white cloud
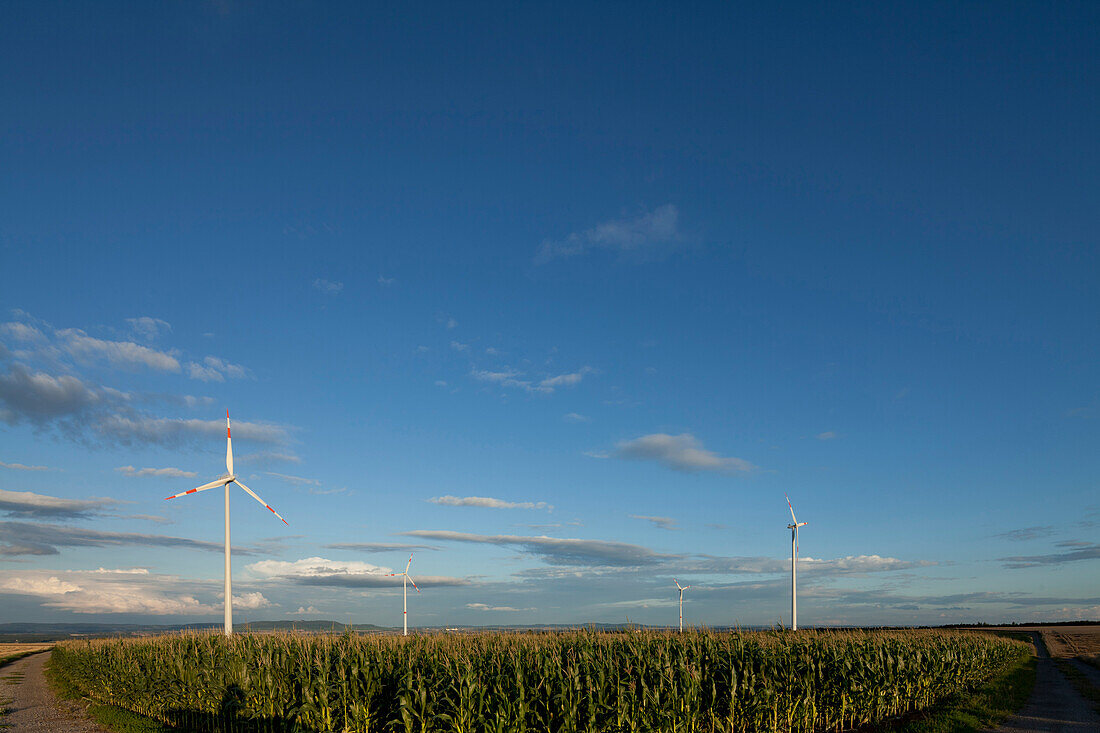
[565,380]
[576,417]
[486,607]
[148,328]
[457,346]
[117,353]
[647,236]
[250,601]
[162,472]
[314,566]
[107,591]
[21,332]
[681,452]
[328,287]
[440,383]
[487,502]
[305,611]
[827,435]
[319,571]
[38,586]
[22,467]
[386,280]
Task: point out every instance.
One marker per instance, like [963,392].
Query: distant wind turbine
[229,478]
[405,589]
[793,527]
[682,589]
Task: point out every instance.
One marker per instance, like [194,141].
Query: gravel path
[29,705]
[1054,705]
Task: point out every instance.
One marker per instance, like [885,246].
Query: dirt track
[30,704]
[1054,704]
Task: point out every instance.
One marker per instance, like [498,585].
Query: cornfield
[699,682]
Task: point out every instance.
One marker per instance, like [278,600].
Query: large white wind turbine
[682,589]
[793,527]
[229,478]
[405,589]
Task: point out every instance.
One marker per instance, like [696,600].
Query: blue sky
[562,298]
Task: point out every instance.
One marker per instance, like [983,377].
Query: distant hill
[31,632]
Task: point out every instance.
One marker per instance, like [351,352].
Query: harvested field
[12,650]
[1065,642]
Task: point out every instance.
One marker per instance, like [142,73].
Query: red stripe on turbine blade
[192,491]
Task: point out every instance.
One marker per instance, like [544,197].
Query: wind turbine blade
[228,446]
[793,519]
[212,485]
[413,583]
[409,563]
[677,583]
[257,498]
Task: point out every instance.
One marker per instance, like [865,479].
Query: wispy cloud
[827,435]
[28,538]
[488,502]
[458,346]
[557,551]
[575,417]
[382,280]
[374,547]
[298,480]
[124,354]
[22,467]
[658,522]
[328,287]
[167,431]
[516,379]
[148,328]
[30,504]
[680,452]
[161,472]
[487,607]
[647,236]
[213,369]
[1026,533]
[268,456]
[1080,552]
[565,380]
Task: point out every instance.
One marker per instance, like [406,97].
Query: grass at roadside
[981,709]
[109,716]
[1078,679]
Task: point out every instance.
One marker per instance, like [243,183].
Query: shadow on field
[228,717]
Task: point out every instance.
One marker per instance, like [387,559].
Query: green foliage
[578,682]
[982,708]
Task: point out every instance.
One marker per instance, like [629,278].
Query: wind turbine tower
[682,589]
[225,481]
[406,579]
[793,527]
